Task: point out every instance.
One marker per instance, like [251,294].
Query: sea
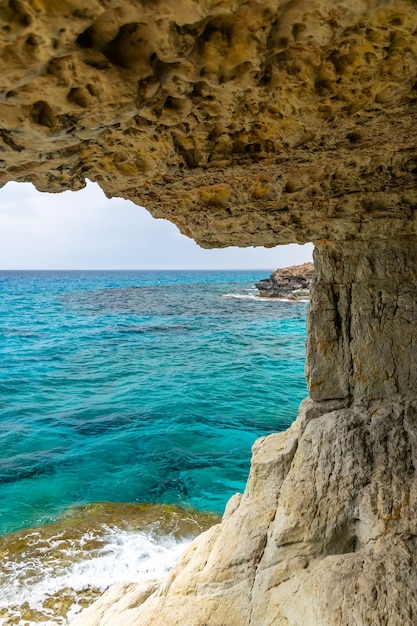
[129,402]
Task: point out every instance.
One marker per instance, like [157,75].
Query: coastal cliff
[260,122]
[325,532]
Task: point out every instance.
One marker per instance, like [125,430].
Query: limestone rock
[325,533]
[253,122]
[289,282]
[259,122]
[122,598]
[362,322]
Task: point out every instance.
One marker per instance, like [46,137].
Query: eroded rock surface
[247,122]
[317,538]
[362,336]
[259,122]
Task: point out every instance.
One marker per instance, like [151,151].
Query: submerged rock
[292,283]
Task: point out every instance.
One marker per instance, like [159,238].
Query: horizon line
[137,269]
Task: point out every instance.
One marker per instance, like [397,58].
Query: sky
[86,230]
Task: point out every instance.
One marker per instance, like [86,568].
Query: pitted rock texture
[246,122]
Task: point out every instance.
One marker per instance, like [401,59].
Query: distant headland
[291,283]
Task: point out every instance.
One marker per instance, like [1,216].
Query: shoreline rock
[325,533]
[256,124]
[291,283]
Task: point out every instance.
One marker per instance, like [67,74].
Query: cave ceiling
[252,122]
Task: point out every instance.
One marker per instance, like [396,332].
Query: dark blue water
[138,387]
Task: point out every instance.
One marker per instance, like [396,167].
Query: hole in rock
[68,214]
[136,366]
[128,47]
[85,39]
[43,114]
[354,137]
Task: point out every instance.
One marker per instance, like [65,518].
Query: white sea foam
[257,298]
[249,295]
[122,556]
[240,296]
[289,300]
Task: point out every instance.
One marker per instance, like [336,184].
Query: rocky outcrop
[326,531]
[291,283]
[259,122]
[325,534]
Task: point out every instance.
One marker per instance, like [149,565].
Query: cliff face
[260,122]
[326,531]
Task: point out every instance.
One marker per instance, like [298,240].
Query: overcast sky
[85,230]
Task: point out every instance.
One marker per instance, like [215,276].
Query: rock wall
[326,531]
[362,325]
[258,122]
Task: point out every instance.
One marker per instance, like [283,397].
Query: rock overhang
[253,122]
[261,122]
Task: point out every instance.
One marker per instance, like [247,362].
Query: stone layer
[251,122]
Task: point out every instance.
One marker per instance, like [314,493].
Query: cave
[260,122]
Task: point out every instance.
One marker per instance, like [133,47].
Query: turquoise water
[122,388]
[138,387]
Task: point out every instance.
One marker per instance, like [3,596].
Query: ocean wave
[50,573]
[287,300]
[242,296]
[124,556]
[258,298]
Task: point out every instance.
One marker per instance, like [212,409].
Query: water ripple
[138,386]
